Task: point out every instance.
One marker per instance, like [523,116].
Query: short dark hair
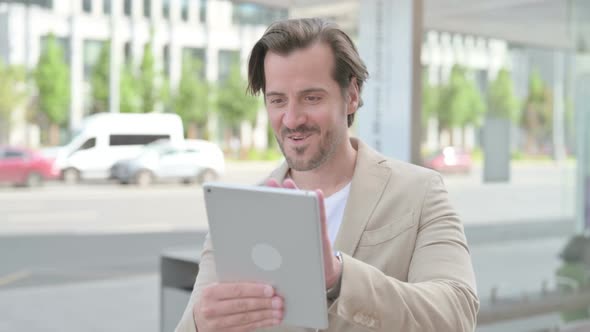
[285,36]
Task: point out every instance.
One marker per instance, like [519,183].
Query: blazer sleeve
[206,276]
[440,294]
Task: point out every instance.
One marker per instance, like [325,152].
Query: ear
[353,96]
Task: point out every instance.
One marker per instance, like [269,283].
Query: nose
[294,116]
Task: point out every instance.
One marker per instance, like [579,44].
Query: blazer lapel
[368,183]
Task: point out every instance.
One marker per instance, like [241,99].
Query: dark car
[25,167]
[450,160]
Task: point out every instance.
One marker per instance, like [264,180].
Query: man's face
[305,105]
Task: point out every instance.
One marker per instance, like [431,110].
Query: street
[94,247]
[536,192]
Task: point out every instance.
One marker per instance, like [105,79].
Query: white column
[581,98]
[390,44]
[115,61]
[76,74]
[558,106]
[175,57]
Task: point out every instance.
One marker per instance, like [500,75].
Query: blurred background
[114,112]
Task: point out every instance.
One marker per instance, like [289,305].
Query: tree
[191,101]
[129,91]
[234,104]
[12,92]
[501,98]
[147,78]
[461,103]
[537,116]
[430,100]
[53,83]
[100,80]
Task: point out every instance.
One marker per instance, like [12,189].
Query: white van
[105,138]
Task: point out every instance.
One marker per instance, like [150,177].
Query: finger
[288,183]
[235,306]
[272,183]
[248,318]
[224,291]
[255,326]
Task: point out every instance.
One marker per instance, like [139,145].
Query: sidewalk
[119,305]
[132,304]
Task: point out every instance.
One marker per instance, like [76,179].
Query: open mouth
[299,138]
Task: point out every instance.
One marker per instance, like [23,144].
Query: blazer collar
[368,183]
[369,180]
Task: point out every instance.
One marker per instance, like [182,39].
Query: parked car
[450,160]
[164,161]
[105,138]
[25,167]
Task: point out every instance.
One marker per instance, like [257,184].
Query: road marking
[14,277]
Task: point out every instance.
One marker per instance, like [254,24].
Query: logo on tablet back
[266,257]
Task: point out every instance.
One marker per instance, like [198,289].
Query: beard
[295,157]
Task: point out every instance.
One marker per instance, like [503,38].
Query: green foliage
[53,83]
[147,81]
[501,98]
[461,103]
[234,104]
[129,91]
[100,80]
[270,154]
[12,89]
[537,115]
[430,99]
[191,101]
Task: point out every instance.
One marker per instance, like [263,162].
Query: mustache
[302,130]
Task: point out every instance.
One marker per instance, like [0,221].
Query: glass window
[89,144]
[106,7]
[127,51]
[166,9]
[198,54]
[127,7]
[203,11]
[226,60]
[92,50]
[87,6]
[166,59]
[147,8]
[116,140]
[255,14]
[62,42]
[41,3]
[184,10]
[14,154]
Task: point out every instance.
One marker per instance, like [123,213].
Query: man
[402,261]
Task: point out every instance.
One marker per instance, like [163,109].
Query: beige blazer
[406,264]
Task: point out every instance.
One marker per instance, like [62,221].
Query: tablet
[271,235]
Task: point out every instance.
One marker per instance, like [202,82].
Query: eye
[276,101]
[312,99]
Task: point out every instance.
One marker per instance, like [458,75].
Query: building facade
[215,31]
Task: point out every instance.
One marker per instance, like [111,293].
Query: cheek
[275,120]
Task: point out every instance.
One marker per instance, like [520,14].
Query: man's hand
[237,307]
[332,266]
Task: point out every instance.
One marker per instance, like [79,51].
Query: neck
[332,175]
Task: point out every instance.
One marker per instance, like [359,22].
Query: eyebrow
[304,91]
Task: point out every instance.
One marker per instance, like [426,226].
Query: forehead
[300,68]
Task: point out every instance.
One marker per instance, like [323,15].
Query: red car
[450,160]
[24,167]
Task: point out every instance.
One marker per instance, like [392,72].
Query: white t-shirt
[335,211]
